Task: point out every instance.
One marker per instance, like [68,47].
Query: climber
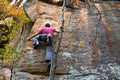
[45,35]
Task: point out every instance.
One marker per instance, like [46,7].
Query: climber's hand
[28,39]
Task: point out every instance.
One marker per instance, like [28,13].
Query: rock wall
[89,48]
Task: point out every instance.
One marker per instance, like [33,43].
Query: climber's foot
[35,46]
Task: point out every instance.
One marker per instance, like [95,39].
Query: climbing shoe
[47,61]
[35,45]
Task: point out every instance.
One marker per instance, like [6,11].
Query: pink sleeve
[40,30]
[54,30]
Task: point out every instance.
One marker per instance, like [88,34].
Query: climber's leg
[49,51]
[36,41]
[48,57]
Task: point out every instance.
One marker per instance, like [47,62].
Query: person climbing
[45,35]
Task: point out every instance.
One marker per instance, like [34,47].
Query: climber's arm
[33,35]
[57,31]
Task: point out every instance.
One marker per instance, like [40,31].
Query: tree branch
[54,61]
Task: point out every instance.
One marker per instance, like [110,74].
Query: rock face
[90,45]
[5,74]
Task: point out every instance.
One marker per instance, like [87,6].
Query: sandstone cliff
[90,43]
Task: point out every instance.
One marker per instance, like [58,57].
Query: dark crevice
[51,2]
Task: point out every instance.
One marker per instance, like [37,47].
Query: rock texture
[5,73]
[89,48]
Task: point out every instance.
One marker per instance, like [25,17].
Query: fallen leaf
[111,8]
[76,3]
[99,52]
[109,28]
[118,4]
[82,44]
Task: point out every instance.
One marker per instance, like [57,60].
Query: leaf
[4,0]
[118,4]
[111,8]
[99,52]
[109,28]
[76,3]
[82,44]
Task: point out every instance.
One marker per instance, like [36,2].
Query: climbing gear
[35,45]
[49,40]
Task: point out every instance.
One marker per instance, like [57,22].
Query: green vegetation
[10,56]
[11,18]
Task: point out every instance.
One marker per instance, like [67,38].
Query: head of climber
[47,24]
